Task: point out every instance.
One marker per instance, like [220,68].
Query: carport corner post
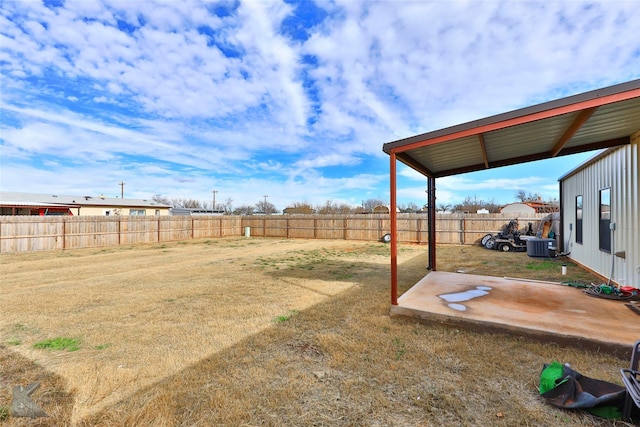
[394,238]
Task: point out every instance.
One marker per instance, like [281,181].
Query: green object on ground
[575,284]
[568,389]
[549,376]
[608,412]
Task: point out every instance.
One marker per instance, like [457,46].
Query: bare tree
[265,207]
[228,206]
[160,199]
[370,204]
[521,195]
[329,207]
[300,208]
[409,208]
[301,205]
[443,207]
[189,203]
[244,210]
[492,206]
[473,205]
[344,208]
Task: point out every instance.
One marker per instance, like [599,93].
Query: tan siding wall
[124,211]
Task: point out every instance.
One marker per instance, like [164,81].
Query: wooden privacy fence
[42,233]
[412,228]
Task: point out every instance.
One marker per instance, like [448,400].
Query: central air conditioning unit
[541,247]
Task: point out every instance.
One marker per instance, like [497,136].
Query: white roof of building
[8,198]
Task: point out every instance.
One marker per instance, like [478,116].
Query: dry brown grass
[266,332]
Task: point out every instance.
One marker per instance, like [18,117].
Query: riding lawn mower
[509,239]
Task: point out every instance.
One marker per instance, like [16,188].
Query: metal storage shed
[592,120]
[601,214]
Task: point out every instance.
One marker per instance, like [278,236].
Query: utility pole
[122,189]
[264,206]
[213,207]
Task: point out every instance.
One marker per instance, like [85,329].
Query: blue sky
[293,99]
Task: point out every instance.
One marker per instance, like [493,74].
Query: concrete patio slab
[541,310]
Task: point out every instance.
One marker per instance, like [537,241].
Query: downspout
[394,229]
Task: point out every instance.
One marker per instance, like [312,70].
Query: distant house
[15,203]
[382,209]
[530,208]
[194,211]
[300,210]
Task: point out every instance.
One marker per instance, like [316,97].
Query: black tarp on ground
[565,388]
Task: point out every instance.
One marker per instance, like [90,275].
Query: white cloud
[327,160]
[218,96]
[462,183]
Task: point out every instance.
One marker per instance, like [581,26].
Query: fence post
[345,227]
[64,232]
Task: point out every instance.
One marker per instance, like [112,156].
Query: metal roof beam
[483,147]
[537,156]
[596,145]
[577,123]
[414,164]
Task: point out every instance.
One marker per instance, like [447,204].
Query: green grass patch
[60,343]
[13,341]
[102,346]
[542,265]
[401,349]
[4,413]
[285,317]
[19,327]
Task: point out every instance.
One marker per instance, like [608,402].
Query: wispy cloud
[294,99]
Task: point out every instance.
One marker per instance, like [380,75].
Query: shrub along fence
[42,233]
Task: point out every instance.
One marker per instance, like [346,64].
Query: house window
[579,219]
[137,212]
[605,219]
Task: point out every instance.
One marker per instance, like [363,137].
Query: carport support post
[431,215]
[394,230]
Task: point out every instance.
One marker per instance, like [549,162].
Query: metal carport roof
[592,120]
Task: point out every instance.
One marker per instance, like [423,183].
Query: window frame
[604,219]
[579,219]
